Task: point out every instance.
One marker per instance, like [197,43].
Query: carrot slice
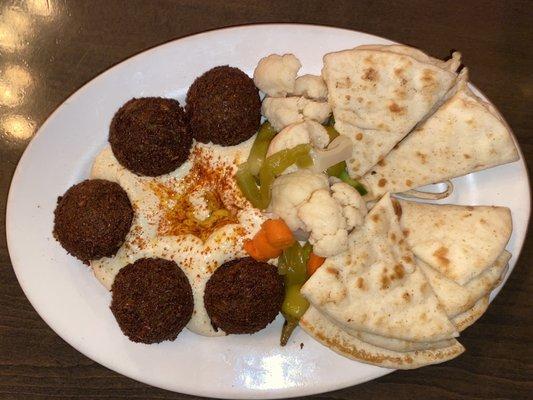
[260,249]
[263,246]
[314,263]
[278,233]
[250,248]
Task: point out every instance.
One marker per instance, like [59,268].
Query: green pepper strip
[289,326]
[332,132]
[282,264]
[246,182]
[304,161]
[296,269]
[260,147]
[337,169]
[294,304]
[352,182]
[293,262]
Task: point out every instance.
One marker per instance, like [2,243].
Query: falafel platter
[299,202]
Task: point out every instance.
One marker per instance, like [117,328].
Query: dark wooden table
[52,47]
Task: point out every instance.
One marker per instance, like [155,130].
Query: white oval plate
[75,305]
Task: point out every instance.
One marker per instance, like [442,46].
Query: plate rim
[275,393]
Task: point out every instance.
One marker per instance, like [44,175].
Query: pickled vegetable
[352,182]
[289,326]
[304,161]
[337,169]
[295,263]
[275,165]
[294,304]
[332,132]
[292,264]
[247,184]
[268,168]
[260,147]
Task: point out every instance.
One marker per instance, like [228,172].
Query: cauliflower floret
[275,75]
[318,134]
[329,245]
[323,217]
[300,133]
[282,112]
[291,190]
[306,203]
[311,86]
[317,111]
[352,203]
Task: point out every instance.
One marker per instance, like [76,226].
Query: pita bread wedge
[330,335]
[464,135]
[464,320]
[467,318]
[457,299]
[376,286]
[450,65]
[379,93]
[460,242]
[398,344]
[453,297]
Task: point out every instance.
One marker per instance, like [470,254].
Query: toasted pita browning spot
[422,156]
[382,182]
[385,280]
[397,208]
[370,74]
[424,288]
[399,272]
[428,76]
[395,108]
[400,93]
[440,254]
[359,136]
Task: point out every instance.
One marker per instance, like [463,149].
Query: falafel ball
[243,296]
[151,300]
[150,136]
[92,219]
[223,106]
